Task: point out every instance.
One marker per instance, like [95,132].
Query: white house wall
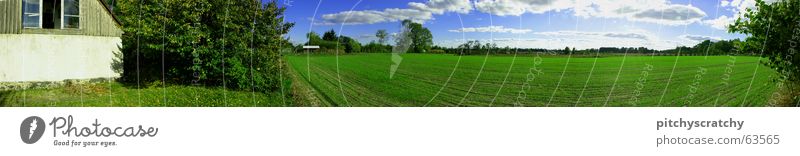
[39,57]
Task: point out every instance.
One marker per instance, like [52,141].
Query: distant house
[56,40]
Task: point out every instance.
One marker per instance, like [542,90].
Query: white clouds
[627,35]
[699,38]
[584,40]
[373,16]
[442,6]
[720,23]
[615,8]
[670,15]
[736,2]
[738,7]
[496,29]
[499,9]
[417,12]
[653,11]
[640,35]
[519,7]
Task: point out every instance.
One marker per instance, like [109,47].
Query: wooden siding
[10,16]
[95,20]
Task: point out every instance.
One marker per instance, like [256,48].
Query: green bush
[373,47]
[326,46]
[773,31]
[350,45]
[204,42]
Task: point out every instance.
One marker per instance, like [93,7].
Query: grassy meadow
[113,94]
[451,80]
[533,80]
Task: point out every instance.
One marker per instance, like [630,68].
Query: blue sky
[659,24]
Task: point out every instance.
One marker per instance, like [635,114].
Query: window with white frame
[71,14]
[51,14]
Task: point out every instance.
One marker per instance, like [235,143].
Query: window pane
[72,14]
[71,22]
[30,13]
[71,7]
[30,21]
[31,6]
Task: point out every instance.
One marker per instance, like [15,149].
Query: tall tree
[312,36]
[773,29]
[421,37]
[382,36]
[350,45]
[330,35]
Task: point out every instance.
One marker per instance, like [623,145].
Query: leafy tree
[330,35]
[312,36]
[722,47]
[701,48]
[195,41]
[382,36]
[421,37]
[350,45]
[773,29]
[325,45]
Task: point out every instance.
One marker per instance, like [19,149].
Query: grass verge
[113,94]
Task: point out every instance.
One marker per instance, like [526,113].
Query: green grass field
[449,80]
[117,95]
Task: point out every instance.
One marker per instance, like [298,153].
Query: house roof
[108,10]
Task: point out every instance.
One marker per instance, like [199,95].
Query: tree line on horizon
[421,41]
[330,42]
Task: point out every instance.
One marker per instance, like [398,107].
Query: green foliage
[566,50]
[774,29]
[206,42]
[708,47]
[333,44]
[373,47]
[382,36]
[330,35]
[475,47]
[326,46]
[312,36]
[113,94]
[722,47]
[350,45]
[421,37]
